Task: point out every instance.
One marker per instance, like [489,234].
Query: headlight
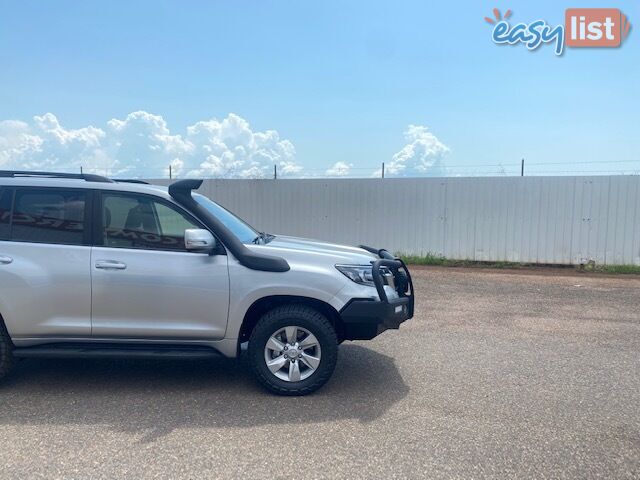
[360,274]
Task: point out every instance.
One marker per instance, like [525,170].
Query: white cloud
[143,145]
[339,169]
[423,155]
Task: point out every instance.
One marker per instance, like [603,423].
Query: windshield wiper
[263,238]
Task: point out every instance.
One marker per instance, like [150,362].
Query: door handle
[5,260]
[110,265]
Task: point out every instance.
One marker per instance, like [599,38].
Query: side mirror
[199,240]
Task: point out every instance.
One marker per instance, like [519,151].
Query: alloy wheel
[292,353]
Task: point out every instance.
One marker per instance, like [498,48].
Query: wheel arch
[264,304]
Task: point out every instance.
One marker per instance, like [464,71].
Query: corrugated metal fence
[568,220]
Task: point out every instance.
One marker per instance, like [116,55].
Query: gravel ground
[500,374]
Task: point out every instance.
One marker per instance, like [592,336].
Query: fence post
[275,171]
[522,168]
[382,169]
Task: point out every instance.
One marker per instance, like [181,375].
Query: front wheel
[293,350]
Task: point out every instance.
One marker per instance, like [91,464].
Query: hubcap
[292,353]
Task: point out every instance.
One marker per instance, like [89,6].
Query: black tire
[6,351]
[300,316]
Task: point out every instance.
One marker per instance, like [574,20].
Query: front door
[145,284]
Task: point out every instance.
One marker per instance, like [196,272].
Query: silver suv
[94,267]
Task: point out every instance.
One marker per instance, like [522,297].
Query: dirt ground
[501,374]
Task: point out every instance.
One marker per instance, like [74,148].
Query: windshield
[238,227]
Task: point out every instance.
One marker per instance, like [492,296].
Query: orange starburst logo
[497,16]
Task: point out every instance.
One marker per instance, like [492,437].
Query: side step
[110,350]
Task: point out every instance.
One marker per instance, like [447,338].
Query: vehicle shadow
[154,397]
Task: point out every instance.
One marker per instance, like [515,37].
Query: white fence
[568,220]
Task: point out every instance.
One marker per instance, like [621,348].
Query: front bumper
[364,319]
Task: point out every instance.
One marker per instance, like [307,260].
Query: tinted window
[138,221]
[49,216]
[5,213]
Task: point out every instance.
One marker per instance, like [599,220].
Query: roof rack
[130,180]
[87,177]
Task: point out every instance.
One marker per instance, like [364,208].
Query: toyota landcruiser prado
[93,267]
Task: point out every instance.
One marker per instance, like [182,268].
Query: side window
[5,213]
[172,223]
[49,216]
[139,221]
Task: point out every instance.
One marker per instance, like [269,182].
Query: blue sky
[341,81]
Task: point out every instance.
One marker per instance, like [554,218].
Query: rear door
[146,285]
[45,284]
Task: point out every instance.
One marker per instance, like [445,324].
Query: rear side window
[5,213]
[49,216]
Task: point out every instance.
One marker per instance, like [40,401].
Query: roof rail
[130,180]
[87,177]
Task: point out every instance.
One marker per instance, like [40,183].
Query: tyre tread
[6,351]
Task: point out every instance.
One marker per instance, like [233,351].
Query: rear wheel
[6,351]
[293,350]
